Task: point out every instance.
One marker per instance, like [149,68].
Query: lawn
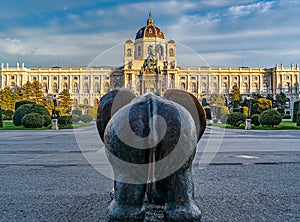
[284,125]
[11,126]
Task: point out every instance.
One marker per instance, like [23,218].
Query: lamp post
[248,119]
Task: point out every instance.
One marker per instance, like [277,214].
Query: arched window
[160,51]
[224,87]
[194,87]
[215,88]
[129,52]
[86,88]
[204,88]
[96,88]
[75,88]
[254,87]
[45,88]
[117,85]
[287,87]
[171,52]
[150,49]
[265,88]
[106,87]
[182,86]
[245,89]
[65,86]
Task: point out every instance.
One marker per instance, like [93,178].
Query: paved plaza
[239,176]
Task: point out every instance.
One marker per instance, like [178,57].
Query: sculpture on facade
[151,142]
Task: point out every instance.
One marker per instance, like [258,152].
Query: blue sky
[220,32]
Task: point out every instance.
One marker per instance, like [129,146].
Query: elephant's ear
[109,104]
[192,104]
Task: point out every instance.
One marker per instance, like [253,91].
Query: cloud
[243,10]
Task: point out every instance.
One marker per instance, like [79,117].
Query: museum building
[150,65]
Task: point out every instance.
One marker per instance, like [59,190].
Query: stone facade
[150,65]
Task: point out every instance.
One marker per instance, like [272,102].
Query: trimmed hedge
[77,112]
[86,118]
[236,118]
[298,118]
[255,120]
[26,109]
[33,120]
[75,118]
[270,117]
[47,120]
[295,110]
[9,114]
[21,103]
[64,120]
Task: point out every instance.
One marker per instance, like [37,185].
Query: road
[239,175]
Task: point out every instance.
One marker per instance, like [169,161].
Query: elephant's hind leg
[180,203]
[127,205]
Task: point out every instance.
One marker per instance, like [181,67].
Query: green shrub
[77,112]
[286,116]
[215,121]
[86,118]
[1,120]
[9,114]
[255,120]
[235,119]
[75,118]
[223,118]
[281,111]
[236,110]
[33,120]
[298,118]
[207,111]
[64,120]
[21,103]
[47,120]
[295,110]
[270,117]
[26,109]
[259,105]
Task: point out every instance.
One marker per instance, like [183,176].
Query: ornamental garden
[28,108]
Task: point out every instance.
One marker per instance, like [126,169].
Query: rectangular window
[55,77]
[96,77]
[193,78]
[34,78]
[45,78]
[107,77]
[203,77]
[65,78]
[86,78]
[75,77]
[182,77]
[117,78]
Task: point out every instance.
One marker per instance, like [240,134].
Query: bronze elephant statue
[151,142]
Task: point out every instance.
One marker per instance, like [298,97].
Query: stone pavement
[242,176]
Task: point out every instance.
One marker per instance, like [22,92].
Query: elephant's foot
[125,213]
[180,213]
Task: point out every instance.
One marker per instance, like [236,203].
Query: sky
[249,33]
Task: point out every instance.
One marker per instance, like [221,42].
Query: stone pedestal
[248,124]
[54,124]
